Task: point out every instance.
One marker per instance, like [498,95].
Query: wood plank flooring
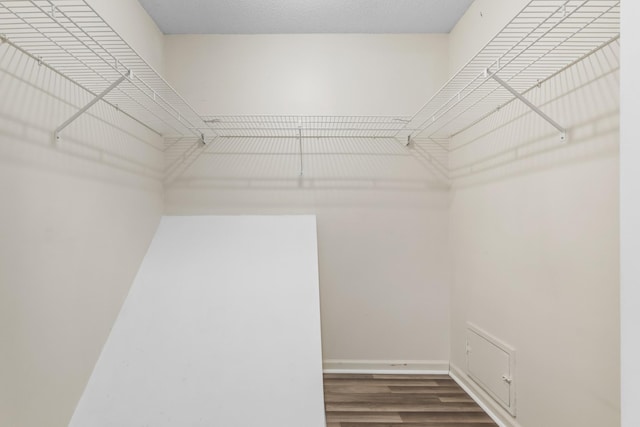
[399,400]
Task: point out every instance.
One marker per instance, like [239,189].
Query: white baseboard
[497,413]
[407,367]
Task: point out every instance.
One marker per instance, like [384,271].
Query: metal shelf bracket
[563,131]
[300,146]
[56,133]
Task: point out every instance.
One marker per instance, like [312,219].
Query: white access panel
[491,364]
[221,328]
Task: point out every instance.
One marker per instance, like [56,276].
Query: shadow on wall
[330,166]
[511,141]
[37,100]
[329,170]
[77,216]
[514,140]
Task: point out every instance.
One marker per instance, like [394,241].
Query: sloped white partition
[221,328]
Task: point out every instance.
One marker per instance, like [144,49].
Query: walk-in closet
[319,213]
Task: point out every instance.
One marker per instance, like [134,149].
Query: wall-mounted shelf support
[56,133]
[300,146]
[563,131]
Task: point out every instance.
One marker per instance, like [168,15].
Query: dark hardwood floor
[399,400]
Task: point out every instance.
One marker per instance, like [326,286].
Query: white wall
[129,19]
[535,245]
[630,214]
[306,74]
[382,214]
[221,328]
[76,220]
[382,234]
[376,203]
[477,27]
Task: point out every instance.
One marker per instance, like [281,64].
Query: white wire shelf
[546,37]
[306,126]
[69,37]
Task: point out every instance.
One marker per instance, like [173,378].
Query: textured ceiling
[305,16]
